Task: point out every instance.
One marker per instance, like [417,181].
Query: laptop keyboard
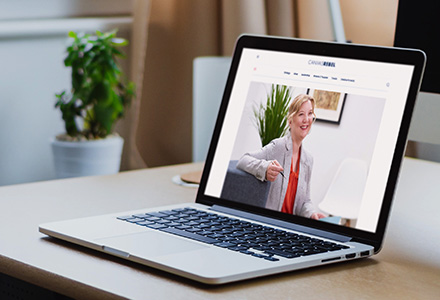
[237,235]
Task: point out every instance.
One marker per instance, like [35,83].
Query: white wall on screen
[354,137]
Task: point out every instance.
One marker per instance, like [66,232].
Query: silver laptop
[287,184]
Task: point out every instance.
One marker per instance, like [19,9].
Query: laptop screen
[310,135]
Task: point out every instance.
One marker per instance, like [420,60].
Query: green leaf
[271,119]
[104,116]
[119,42]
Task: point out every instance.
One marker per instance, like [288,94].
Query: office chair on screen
[344,196]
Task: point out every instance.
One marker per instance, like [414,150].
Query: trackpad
[148,244]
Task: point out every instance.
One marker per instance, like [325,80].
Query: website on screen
[312,136]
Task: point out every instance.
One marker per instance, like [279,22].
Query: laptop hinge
[283,224]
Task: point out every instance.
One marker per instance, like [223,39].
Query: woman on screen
[290,189]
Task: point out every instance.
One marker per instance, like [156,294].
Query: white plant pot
[87,158]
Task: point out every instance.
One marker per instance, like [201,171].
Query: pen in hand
[281,172]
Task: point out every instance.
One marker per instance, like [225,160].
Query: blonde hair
[296,105]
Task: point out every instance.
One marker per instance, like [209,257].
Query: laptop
[348,166]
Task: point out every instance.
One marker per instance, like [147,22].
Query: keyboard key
[238,248]
[190,235]
[182,215]
[145,223]
[183,227]
[135,220]
[173,224]
[259,255]
[162,221]
[156,226]
[157,214]
[271,258]
[216,236]
[124,218]
[206,232]
[225,245]
[281,253]
[142,216]
[169,212]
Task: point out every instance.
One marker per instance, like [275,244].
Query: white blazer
[256,163]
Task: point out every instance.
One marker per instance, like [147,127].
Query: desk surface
[408,267]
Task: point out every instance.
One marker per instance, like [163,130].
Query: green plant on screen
[271,118]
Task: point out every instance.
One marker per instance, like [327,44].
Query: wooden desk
[407,268]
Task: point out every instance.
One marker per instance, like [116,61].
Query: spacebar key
[190,235]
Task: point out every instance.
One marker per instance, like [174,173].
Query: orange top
[289,199]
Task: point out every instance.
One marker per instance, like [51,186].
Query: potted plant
[98,98]
[271,118]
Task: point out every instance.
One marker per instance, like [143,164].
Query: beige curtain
[127,128]
[159,122]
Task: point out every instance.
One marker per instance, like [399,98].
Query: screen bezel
[411,57]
